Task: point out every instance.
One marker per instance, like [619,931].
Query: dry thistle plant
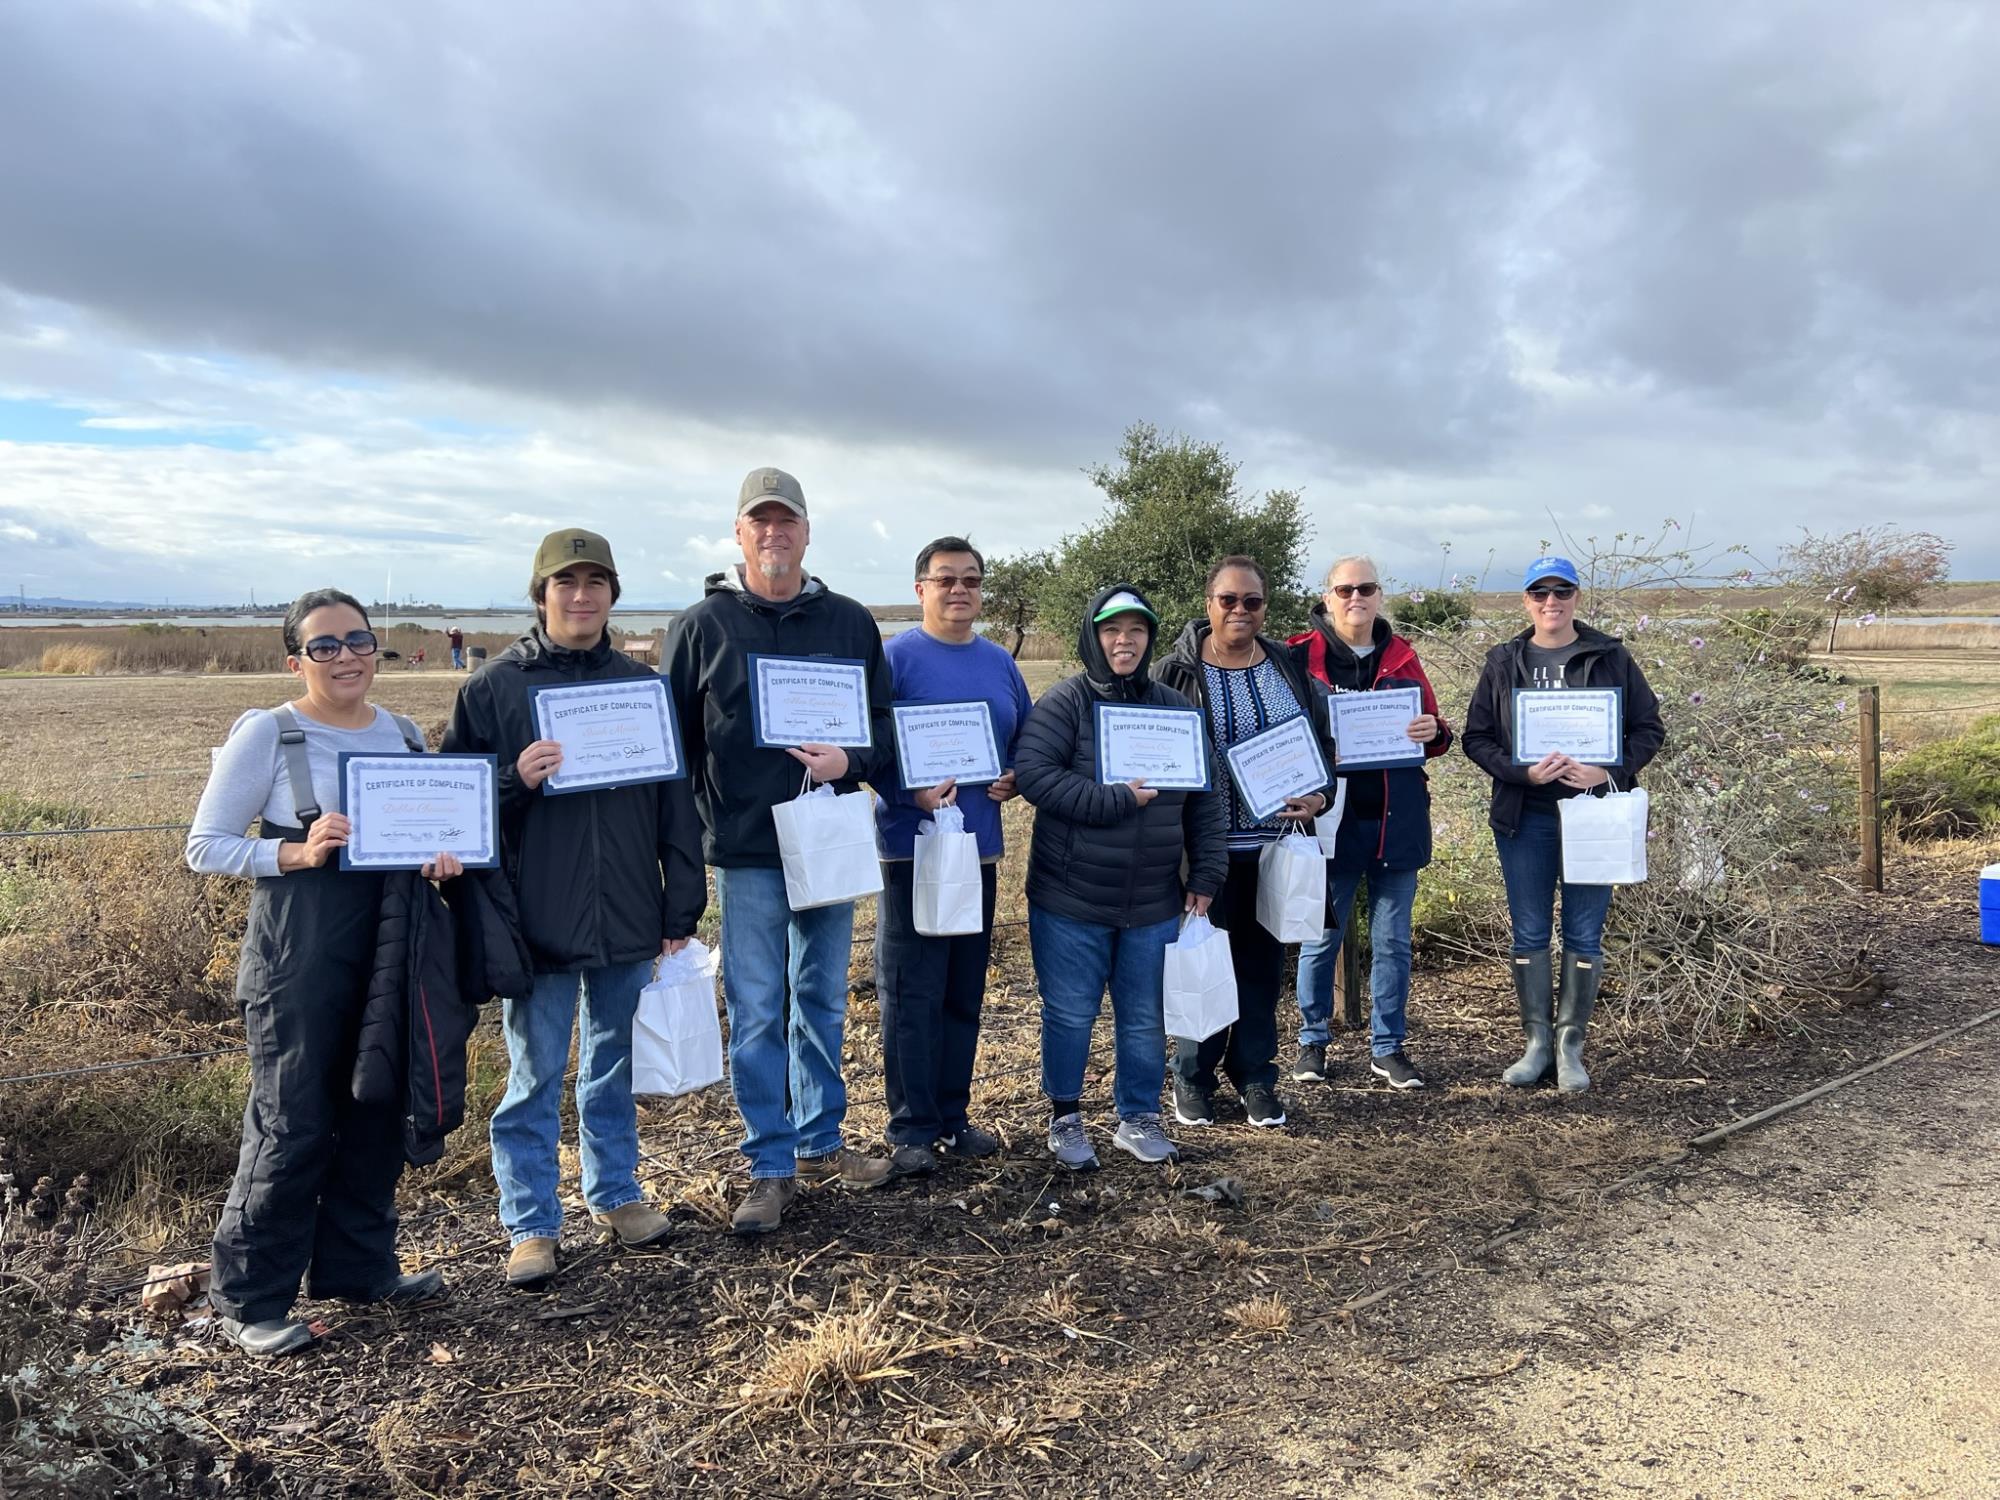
[1261,1317]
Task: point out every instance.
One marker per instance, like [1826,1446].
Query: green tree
[1173,508]
[1013,588]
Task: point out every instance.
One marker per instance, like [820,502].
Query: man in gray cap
[770,606]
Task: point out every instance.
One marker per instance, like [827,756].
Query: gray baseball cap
[770,484]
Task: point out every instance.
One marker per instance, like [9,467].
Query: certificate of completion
[1167,748]
[1283,761]
[408,809]
[612,733]
[1586,724]
[945,742]
[1372,729]
[809,700]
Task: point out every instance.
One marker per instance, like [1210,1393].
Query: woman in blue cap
[1554,652]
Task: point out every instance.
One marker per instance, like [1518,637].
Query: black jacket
[601,877]
[1489,720]
[411,1049]
[493,957]
[708,669]
[1097,855]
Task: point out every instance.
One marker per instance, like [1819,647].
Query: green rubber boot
[1535,989]
[1579,998]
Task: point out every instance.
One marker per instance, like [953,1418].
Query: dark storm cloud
[1012,230]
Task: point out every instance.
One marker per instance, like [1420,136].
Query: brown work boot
[848,1168]
[633,1225]
[763,1206]
[531,1265]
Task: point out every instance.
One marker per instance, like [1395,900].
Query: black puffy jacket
[1097,855]
[601,877]
[707,666]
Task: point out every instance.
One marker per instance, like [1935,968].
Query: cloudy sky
[297,293]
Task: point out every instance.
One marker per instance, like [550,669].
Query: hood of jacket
[1097,666]
[536,649]
[730,581]
[1381,631]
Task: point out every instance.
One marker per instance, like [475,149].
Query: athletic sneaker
[969,1141]
[1070,1145]
[1311,1064]
[1263,1106]
[1193,1104]
[1142,1137]
[1397,1071]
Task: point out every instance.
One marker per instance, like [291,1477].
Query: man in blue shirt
[931,988]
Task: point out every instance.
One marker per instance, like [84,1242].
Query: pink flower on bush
[1698,643]
[1869,618]
[1697,698]
[1417,597]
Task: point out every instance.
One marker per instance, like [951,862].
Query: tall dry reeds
[74,659]
[1887,635]
[96,650]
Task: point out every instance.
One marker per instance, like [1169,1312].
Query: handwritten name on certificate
[1586,724]
[946,742]
[1284,761]
[615,733]
[1373,728]
[1167,748]
[408,809]
[809,700]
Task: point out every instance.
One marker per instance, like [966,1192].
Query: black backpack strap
[292,744]
[412,736]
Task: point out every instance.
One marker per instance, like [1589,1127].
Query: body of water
[480,624]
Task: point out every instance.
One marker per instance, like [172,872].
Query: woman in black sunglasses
[314,1195]
[1554,652]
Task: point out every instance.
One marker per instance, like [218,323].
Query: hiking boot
[1310,1066]
[848,1168]
[416,1288]
[1397,1071]
[764,1205]
[911,1160]
[1069,1145]
[1262,1104]
[531,1264]
[969,1141]
[633,1225]
[1142,1137]
[1193,1104]
[272,1337]
[1535,993]
[1579,998]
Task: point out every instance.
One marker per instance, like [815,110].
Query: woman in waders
[314,1198]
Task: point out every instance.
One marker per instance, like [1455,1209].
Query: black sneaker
[909,1160]
[1397,1071]
[1263,1106]
[1193,1105]
[1311,1064]
[969,1141]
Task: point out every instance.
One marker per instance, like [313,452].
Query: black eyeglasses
[1251,602]
[971,582]
[324,648]
[1542,592]
[1349,590]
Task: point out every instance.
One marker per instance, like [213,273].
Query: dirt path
[1814,1312]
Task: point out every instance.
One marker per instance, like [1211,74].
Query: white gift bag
[1201,981]
[827,842]
[1326,827]
[1604,838]
[676,1037]
[946,891]
[1291,889]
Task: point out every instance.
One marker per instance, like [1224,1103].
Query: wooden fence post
[1871,788]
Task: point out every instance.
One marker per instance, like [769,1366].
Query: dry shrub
[838,1353]
[76,660]
[1260,1317]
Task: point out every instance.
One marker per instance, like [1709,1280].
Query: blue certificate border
[896,712]
[1207,781]
[757,699]
[1299,721]
[485,857]
[1615,694]
[1417,753]
[596,781]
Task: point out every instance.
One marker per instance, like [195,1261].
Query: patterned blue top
[1243,702]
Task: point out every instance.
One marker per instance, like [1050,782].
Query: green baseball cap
[567,548]
[760,485]
[1125,602]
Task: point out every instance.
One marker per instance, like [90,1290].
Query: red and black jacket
[1388,814]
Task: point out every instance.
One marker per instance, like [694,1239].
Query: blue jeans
[1531,864]
[458,657]
[527,1126]
[1391,895]
[766,947]
[1074,963]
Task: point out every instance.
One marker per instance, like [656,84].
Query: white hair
[1341,562]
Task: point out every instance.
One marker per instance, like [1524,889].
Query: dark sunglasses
[1251,602]
[1349,590]
[324,648]
[971,582]
[1541,592]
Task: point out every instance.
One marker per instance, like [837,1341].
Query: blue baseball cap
[1550,567]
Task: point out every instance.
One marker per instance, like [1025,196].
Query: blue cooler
[1989,905]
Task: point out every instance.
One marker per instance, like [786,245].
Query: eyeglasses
[1543,592]
[325,648]
[1349,590]
[971,582]
[1251,602]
